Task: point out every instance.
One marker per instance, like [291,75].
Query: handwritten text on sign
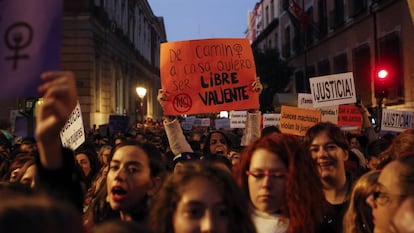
[333,89]
[297,121]
[212,75]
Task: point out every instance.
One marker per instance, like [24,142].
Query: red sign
[349,116]
[211,75]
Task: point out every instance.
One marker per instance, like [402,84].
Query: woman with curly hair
[200,198]
[282,185]
[358,217]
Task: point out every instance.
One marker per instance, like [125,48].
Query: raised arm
[175,135]
[252,131]
[59,99]
[57,172]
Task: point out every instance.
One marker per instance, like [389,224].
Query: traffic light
[381,82]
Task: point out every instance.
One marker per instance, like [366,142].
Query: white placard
[333,90]
[305,100]
[238,119]
[329,114]
[271,119]
[73,133]
[222,123]
[396,121]
[188,123]
[205,122]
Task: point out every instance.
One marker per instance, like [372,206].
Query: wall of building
[347,43]
[113,47]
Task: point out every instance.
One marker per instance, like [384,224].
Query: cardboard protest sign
[396,121]
[211,75]
[349,117]
[329,114]
[297,121]
[271,119]
[238,119]
[333,89]
[73,133]
[305,100]
[30,33]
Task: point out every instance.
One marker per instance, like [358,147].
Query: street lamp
[141,92]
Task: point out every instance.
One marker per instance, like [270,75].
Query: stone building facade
[113,46]
[321,37]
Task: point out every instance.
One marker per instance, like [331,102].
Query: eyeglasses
[382,198]
[261,174]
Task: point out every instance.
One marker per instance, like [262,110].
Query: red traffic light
[382,74]
[381,82]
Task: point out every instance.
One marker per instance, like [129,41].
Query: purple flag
[30,34]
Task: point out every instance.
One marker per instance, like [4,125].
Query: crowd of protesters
[160,178]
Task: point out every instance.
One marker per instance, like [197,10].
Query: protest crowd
[160,178]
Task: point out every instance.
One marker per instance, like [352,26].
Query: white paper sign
[271,119]
[305,100]
[333,90]
[222,123]
[238,119]
[205,122]
[329,114]
[73,133]
[188,123]
[396,121]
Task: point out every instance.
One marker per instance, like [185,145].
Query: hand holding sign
[162,96]
[257,85]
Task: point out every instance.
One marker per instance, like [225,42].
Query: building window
[340,63]
[362,72]
[272,10]
[287,47]
[309,29]
[322,18]
[310,72]
[324,68]
[267,16]
[297,41]
[356,7]
[300,82]
[336,17]
[98,82]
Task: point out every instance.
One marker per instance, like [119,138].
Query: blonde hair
[358,218]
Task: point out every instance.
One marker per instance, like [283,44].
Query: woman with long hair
[329,149]
[200,198]
[282,184]
[358,216]
[395,184]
